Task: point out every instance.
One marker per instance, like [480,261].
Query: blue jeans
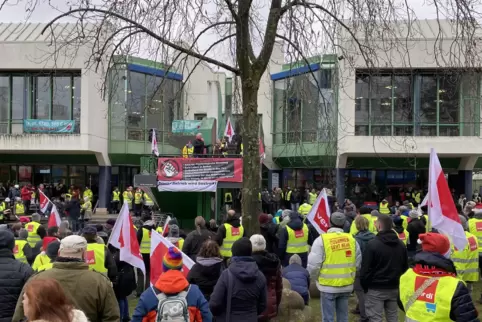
[123,308]
[334,302]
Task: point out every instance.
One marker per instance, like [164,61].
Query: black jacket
[270,234]
[125,282]
[384,261]
[73,207]
[462,307]
[248,291]
[415,227]
[198,147]
[221,234]
[205,274]
[13,275]
[194,241]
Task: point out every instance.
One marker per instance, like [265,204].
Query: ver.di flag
[154,148]
[319,215]
[228,130]
[442,213]
[54,218]
[124,238]
[165,228]
[44,201]
[159,247]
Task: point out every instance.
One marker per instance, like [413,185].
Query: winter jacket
[248,289]
[194,241]
[295,223]
[13,194]
[299,279]
[350,218]
[13,275]
[89,291]
[26,194]
[77,316]
[269,232]
[415,227]
[317,258]
[269,265]
[462,307]
[172,282]
[73,208]
[385,259]
[221,234]
[125,281]
[205,274]
[362,238]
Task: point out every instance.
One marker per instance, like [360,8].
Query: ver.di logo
[169,169]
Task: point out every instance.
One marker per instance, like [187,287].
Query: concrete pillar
[465,179]
[104,188]
[340,185]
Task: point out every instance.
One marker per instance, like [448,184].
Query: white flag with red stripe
[319,215]
[154,147]
[159,247]
[228,130]
[124,238]
[44,201]
[54,218]
[442,213]
[262,154]
[165,229]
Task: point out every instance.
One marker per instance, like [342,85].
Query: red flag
[43,201]
[228,130]
[165,229]
[54,218]
[319,215]
[262,155]
[159,247]
[124,237]
[442,213]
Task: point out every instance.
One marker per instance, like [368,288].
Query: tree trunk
[251,164]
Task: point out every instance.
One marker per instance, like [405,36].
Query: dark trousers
[137,209]
[26,204]
[115,207]
[123,308]
[143,282]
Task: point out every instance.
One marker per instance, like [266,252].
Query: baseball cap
[73,244]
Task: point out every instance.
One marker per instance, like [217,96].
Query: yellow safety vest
[259,196]
[39,261]
[371,225]
[45,267]
[384,209]
[3,206]
[33,237]
[277,219]
[32,195]
[297,240]
[304,209]
[126,195]
[339,267]
[467,260]
[148,200]
[427,223]
[404,236]
[19,209]
[187,152]
[87,206]
[313,197]
[146,241]
[242,147]
[115,195]
[416,197]
[68,196]
[405,222]
[288,196]
[475,228]
[179,244]
[434,303]
[160,230]
[18,250]
[95,257]
[138,198]
[228,197]
[232,235]
[88,193]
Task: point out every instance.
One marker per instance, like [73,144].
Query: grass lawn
[316,306]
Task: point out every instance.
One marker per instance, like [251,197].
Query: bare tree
[353,30]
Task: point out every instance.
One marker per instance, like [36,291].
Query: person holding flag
[144,240]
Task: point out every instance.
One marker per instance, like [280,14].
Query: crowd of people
[391,261]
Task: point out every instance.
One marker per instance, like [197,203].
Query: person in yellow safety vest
[304,209]
[466,261]
[19,208]
[147,200]
[88,194]
[312,196]
[187,150]
[115,200]
[144,239]
[86,210]
[67,197]
[174,238]
[98,256]
[475,228]
[138,202]
[384,207]
[241,149]
[22,250]
[229,232]
[52,252]
[32,227]
[333,261]
[287,198]
[228,200]
[4,209]
[403,234]
[365,212]
[128,196]
[294,238]
[434,277]
[417,197]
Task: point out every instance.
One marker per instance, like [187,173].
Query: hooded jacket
[248,292]
[415,227]
[205,274]
[363,237]
[269,265]
[299,279]
[462,307]
[269,231]
[384,261]
[221,234]
[194,240]
[170,283]
[295,223]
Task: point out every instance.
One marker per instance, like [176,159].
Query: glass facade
[140,102]
[420,103]
[46,96]
[307,178]
[304,108]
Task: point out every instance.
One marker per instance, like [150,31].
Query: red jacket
[26,193]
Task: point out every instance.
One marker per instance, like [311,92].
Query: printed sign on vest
[15,249]
[472,243]
[341,243]
[429,294]
[402,236]
[30,228]
[348,253]
[478,225]
[235,231]
[299,233]
[90,257]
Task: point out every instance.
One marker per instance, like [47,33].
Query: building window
[4,103]
[200,117]
[42,98]
[61,98]
[136,97]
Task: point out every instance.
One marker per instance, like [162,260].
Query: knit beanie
[173,231]
[435,243]
[172,260]
[258,242]
[263,219]
[242,247]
